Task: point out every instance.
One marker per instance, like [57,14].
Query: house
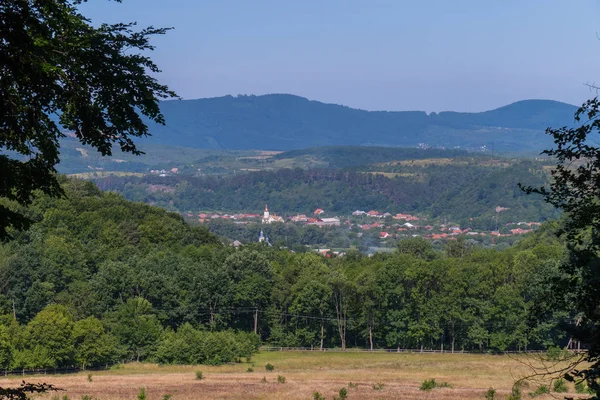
[174,170]
[374,213]
[329,222]
[236,243]
[318,211]
[299,218]
[384,235]
[358,212]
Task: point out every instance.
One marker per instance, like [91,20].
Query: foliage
[428,384]
[99,279]
[559,386]
[142,394]
[95,79]
[490,394]
[280,379]
[458,190]
[269,367]
[575,190]
[342,394]
[199,375]
[378,386]
[543,389]
[318,396]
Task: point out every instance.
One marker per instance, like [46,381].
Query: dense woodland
[98,279]
[465,192]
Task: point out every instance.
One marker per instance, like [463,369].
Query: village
[382,225]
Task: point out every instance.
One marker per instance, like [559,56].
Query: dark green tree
[575,188]
[58,71]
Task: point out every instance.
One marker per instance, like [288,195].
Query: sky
[431,55]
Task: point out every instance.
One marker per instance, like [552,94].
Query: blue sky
[432,55]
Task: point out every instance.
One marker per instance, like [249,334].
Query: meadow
[364,375]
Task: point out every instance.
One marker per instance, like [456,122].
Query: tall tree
[57,69]
[575,188]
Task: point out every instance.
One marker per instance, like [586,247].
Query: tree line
[99,278]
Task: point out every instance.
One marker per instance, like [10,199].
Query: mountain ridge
[289,122]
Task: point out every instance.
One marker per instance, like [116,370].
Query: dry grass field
[398,375]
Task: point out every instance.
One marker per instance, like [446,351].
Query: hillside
[465,190]
[286,122]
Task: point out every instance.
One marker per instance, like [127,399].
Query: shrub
[352,385]
[280,379]
[86,397]
[65,397]
[199,375]
[444,385]
[378,386]
[490,394]
[343,394]
[560,386]
[167,397]
[264,379]
[269,367]
[89,377]
[557,354]
[318,396]
[515,394]
[428,384]
[250,369]
[142,394]
[543,389]
[582,388]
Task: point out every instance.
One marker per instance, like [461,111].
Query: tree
[49,337]
[92,345]
[56,69]
[575,188]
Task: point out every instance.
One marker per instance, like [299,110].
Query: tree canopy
[59,72]
[575,188]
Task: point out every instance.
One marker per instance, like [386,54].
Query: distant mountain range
[287,122]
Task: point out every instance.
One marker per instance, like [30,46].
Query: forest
[97,279]
[465,191]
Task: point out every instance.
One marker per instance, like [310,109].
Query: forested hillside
[98,278]
[285,122]
[465,191]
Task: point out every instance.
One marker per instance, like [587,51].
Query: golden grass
[305,372]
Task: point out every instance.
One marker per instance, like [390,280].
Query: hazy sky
[433,55]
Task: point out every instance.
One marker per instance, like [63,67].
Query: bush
[557,354]
[199,375]
[352,385]
[141,394]
[280,379]
[582,388]
[490,394]
[167,397]
[318,396]
[515,393]
[543,389]
[343,394]
[428,384]
[264,379]
[378,386]
[560,386]
[250,369]
[89,377]
[269,367]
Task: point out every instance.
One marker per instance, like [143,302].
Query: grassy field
[377,376]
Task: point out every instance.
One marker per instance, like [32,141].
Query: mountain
[288,122]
